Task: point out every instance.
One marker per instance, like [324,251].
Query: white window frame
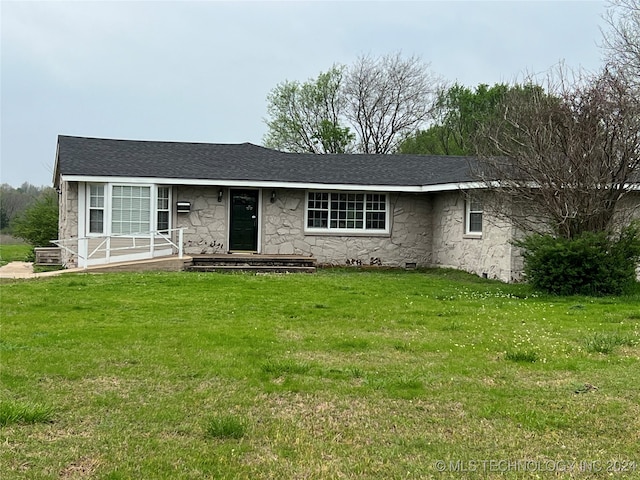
[96,208]
[107,207]
[163,209]
[368,197]
[147,210]
[473,207]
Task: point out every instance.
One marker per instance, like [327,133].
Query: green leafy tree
[4,219]
[306,117]
[13,201]
[38,224]
[459,114]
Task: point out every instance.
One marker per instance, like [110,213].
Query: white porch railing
[105,249]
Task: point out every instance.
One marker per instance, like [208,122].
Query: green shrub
[38,224]
[591,264]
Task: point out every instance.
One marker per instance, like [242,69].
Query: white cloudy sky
[201,70]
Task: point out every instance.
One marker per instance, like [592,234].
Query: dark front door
[243,234]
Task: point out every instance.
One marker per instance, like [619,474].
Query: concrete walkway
[17,270]
[25,270]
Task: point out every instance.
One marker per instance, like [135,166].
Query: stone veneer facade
[282,230]
[68,221]
[490,255]
[425,230]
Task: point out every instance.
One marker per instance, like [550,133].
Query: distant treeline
[14,201]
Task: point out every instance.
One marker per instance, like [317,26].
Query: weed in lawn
[404,347]
[24,412]
[278,368]
[522,356]
[225,426]
[353,344]
[607,342]
[7,346]
[452,326]
[405,387]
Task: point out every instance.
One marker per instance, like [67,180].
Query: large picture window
[130,210]
[342,211]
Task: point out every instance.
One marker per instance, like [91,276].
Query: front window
[163,209]
[96,209]
[474,212]
[130,210]
[336,211]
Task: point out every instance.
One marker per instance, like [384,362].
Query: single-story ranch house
[123,200]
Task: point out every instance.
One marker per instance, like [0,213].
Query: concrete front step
[251,268]
[252,262]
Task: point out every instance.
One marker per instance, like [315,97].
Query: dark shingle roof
[247,162]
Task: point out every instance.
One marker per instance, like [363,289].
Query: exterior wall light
[220,192]
[273,196]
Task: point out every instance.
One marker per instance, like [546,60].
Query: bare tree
[568,156]
[621,39]
[388,98]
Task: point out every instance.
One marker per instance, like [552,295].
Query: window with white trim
[346,211]
[473,216]
[162,220]
[96,209]
[130,209]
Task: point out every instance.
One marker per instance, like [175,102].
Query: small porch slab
[252,262]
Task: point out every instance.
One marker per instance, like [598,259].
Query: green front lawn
[10,252]
[341,374]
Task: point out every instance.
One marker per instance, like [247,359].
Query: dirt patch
[82,468]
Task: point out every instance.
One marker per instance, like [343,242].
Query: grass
[16,412]
[13,252]
[225,426]
[341,374]
[527,356]
[606,342]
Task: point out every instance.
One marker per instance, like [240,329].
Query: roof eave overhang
[441,187]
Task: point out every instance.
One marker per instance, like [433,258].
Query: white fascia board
[447,187]
[272,184]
